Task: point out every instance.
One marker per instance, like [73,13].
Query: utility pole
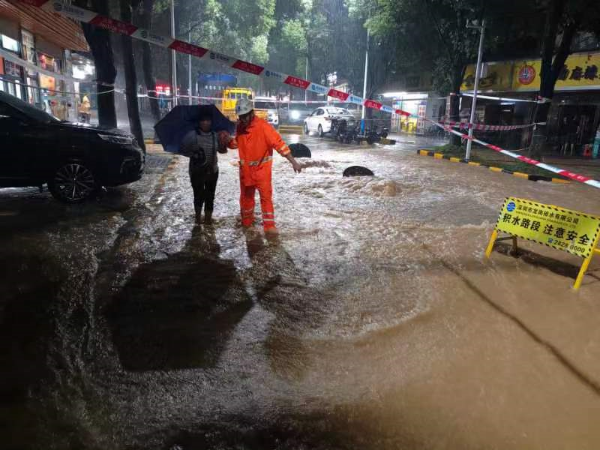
[190,70]
[476,87]
[173,58]
[306,91]
[362,122]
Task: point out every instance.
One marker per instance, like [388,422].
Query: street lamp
[476,87]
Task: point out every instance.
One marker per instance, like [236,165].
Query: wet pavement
[371,322]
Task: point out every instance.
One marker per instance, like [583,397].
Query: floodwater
[372,322]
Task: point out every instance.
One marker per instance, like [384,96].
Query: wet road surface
[372,322]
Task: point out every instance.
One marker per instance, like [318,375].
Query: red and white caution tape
[483,127]
[533,162]
[500,99]
[117,26]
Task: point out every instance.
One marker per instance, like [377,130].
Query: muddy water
[371,322]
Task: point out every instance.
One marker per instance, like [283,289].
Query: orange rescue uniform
[256,143]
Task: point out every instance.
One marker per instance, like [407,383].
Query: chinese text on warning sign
[558,228]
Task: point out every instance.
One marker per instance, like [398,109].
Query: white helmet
[243,106]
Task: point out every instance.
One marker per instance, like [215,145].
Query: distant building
[414,93]
[36,62]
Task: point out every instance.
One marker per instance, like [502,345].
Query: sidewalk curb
[291,129]
[525,176]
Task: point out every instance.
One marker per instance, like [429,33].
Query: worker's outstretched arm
[274,140]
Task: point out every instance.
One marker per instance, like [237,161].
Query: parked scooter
[343,130]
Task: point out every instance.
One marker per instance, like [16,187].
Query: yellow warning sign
[562,229]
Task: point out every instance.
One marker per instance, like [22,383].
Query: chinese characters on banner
[558,228]
[581,71]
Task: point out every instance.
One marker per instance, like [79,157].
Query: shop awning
[61,31]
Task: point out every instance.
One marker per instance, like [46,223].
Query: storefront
[575,113]
[420,105]
[34,57]
[11,74]
[12,79]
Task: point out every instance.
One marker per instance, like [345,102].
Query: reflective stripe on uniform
[266,159]
[284,150]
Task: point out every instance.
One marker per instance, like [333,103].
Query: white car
[267,104]
[321,118]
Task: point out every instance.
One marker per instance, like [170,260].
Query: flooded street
[372,322]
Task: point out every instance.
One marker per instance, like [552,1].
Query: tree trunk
[99,41]
[551,67]
[148,68]
[133,110]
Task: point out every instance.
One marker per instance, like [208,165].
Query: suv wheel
[306,129]
[72,182]
[321,134]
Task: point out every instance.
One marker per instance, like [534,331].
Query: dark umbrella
[182,119]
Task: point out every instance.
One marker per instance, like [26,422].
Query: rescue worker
[201,146]
[84,109]
[256,140]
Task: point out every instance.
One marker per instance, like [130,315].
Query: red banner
[574,176]
[189,49]
[373,104]
[113,25]
[297,82]
[248,67]
[343,96]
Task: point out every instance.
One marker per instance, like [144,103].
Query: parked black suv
[74,160]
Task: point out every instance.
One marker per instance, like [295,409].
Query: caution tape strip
[117,26]
[502,99]
[483,127]
[565,173]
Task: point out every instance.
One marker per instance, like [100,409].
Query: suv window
[320,112]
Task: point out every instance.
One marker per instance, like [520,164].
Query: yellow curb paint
[525,176]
